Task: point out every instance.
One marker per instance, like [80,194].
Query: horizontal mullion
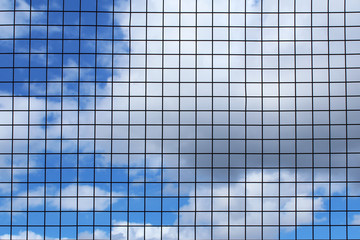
[180,26]
[182,211]
[182,40]
[182,96]
[177,12]
[177,153]
[115,82]
[185,110]
[187,54]
[184,139]
[188,68]
[184,167]
[177,226]
[181,124]
[185,196]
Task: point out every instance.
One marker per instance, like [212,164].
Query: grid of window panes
[179,119]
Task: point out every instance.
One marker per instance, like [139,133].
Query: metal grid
[179,119]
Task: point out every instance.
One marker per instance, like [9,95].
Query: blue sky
[118,160]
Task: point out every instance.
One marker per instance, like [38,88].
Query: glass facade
[179,119]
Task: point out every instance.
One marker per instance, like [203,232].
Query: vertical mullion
[112,117]
[245,123]
[12,124]
[61,111]
[312,121]
[212,120]
[129,124]
[295,81]
[78,126]
[262,118]
[229,117]
[162,123]
[329,115]
[95,116]
[179,117]
[278,112]
[145,150]
[346,125]
[46,114]
[196,117]
[28,130]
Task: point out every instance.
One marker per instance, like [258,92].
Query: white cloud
[292,207]
[136,232]
[7,18]
[356,220]
[23,235]
[73,197]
